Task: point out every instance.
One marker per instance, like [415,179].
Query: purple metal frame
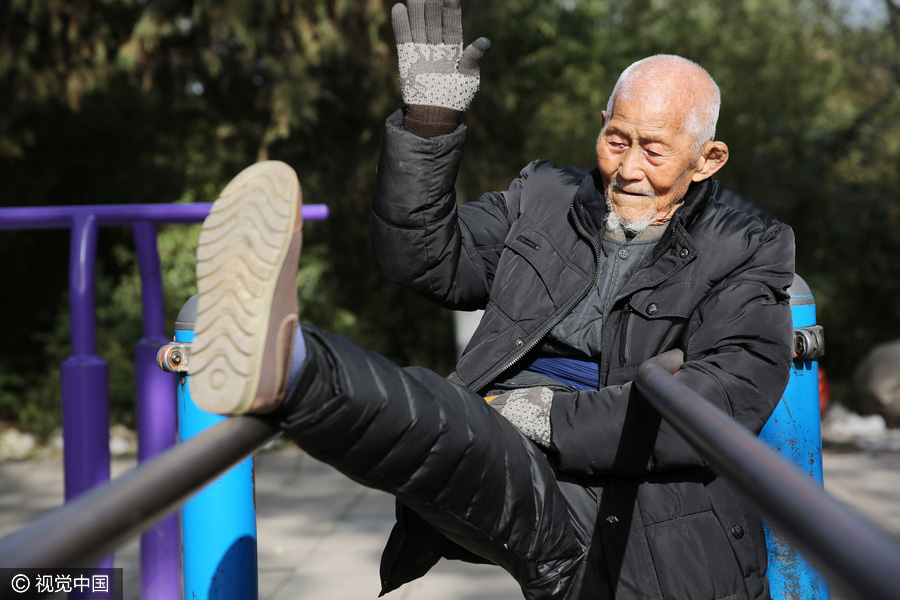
[85,384]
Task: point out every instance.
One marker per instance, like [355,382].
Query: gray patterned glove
[434,68]
[529,410]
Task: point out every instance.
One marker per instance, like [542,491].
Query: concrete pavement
[320,535]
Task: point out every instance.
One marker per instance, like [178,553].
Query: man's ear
[713,157]
[602,118]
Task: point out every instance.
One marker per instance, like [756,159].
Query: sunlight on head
[667,77]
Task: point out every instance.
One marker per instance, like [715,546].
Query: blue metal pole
[794,431]
[219,523]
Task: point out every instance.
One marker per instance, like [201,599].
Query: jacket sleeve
[423,240]
[738,358]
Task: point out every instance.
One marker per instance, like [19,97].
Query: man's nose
[630,167]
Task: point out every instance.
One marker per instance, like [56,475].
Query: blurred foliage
[145,101]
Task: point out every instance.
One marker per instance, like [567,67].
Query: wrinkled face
[646,161]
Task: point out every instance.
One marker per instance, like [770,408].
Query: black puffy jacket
[714,287]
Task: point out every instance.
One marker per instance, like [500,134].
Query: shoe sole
[246,278]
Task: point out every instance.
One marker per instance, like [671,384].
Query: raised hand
[434,68]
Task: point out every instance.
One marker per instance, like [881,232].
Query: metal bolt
[174,357]
[809,342]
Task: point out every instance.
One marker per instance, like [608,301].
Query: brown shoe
[247,281]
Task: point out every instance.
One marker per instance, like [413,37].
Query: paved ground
[320,535]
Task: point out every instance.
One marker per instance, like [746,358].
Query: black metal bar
[841,543]
[83,531]
[846,546]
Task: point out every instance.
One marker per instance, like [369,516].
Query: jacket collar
[590,205]
[590,209]
[695,201]
[677,247]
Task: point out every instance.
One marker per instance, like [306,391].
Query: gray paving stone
[868,483]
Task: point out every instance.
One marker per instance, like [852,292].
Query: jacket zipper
[626,332]
[534,342]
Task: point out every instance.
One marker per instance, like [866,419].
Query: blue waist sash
[582,374]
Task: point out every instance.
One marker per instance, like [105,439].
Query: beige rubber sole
[246,279]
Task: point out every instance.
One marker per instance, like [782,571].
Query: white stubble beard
[615,221]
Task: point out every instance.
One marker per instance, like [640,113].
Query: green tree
[124,101]
[169,101]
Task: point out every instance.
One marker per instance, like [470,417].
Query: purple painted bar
[161,544]
[151,280]
[156,419]
[81,284]
[85,384]
[85,377]
[61,217]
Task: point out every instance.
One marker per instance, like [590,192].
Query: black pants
[446,455]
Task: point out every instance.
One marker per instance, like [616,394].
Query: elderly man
[567,478]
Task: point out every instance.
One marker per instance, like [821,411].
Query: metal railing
[84,530]
[844,545]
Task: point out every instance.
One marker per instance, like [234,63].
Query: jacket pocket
[694,560]
[496,339]
[656,320]
[533,269]
[519,285]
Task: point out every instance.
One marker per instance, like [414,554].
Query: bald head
[657,139]
[673,81]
